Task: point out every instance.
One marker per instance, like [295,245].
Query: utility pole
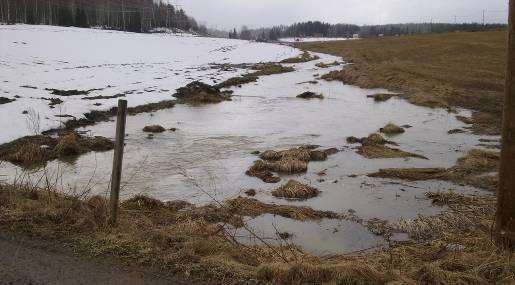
[483,17]
[505,217]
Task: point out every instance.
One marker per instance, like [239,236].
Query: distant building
[355,36]
[380,35]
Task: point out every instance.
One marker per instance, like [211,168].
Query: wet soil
[25,260]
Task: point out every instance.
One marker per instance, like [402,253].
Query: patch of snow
[146,67]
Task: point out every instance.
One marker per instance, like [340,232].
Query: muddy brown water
[211,150]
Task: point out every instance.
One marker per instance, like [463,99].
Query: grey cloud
[226,14]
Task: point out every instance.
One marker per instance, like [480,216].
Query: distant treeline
[320,29]
[126,15]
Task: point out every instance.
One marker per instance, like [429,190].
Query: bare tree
[505,220]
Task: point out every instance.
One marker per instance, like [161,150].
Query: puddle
[213,145]
[318,238]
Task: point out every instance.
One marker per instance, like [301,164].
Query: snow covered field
[309,40]
[144,67]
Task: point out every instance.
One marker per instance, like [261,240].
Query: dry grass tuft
[382,151]
[67,145]
[253,208]
[153,129]
[141,202]
[305,57]
[36,150]
[433,274]
[291,161]
[392,129]
[295,190]
[468,170]
[374,146]
[375,138]
[261,70]
[201,93]
[412,174]
[343,273]
[382,97]
[28,153]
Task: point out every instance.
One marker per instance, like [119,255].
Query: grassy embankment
[454,247]
[438,70]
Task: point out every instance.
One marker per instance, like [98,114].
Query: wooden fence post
[117,160]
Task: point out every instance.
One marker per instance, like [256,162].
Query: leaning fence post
[117,160]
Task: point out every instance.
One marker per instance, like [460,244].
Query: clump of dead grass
[153,129]
[327,65]
[35,150]
[67,145]
[262,69]
[468,170]
[392,129]
[295,190]
[381,97]
[335,75]
[375,146]
[253,208]
[305,57]
[291,161]
[351,273]
[201,93]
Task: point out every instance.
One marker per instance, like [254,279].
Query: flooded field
[207,156]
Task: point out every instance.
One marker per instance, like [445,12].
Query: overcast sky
[226,14]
